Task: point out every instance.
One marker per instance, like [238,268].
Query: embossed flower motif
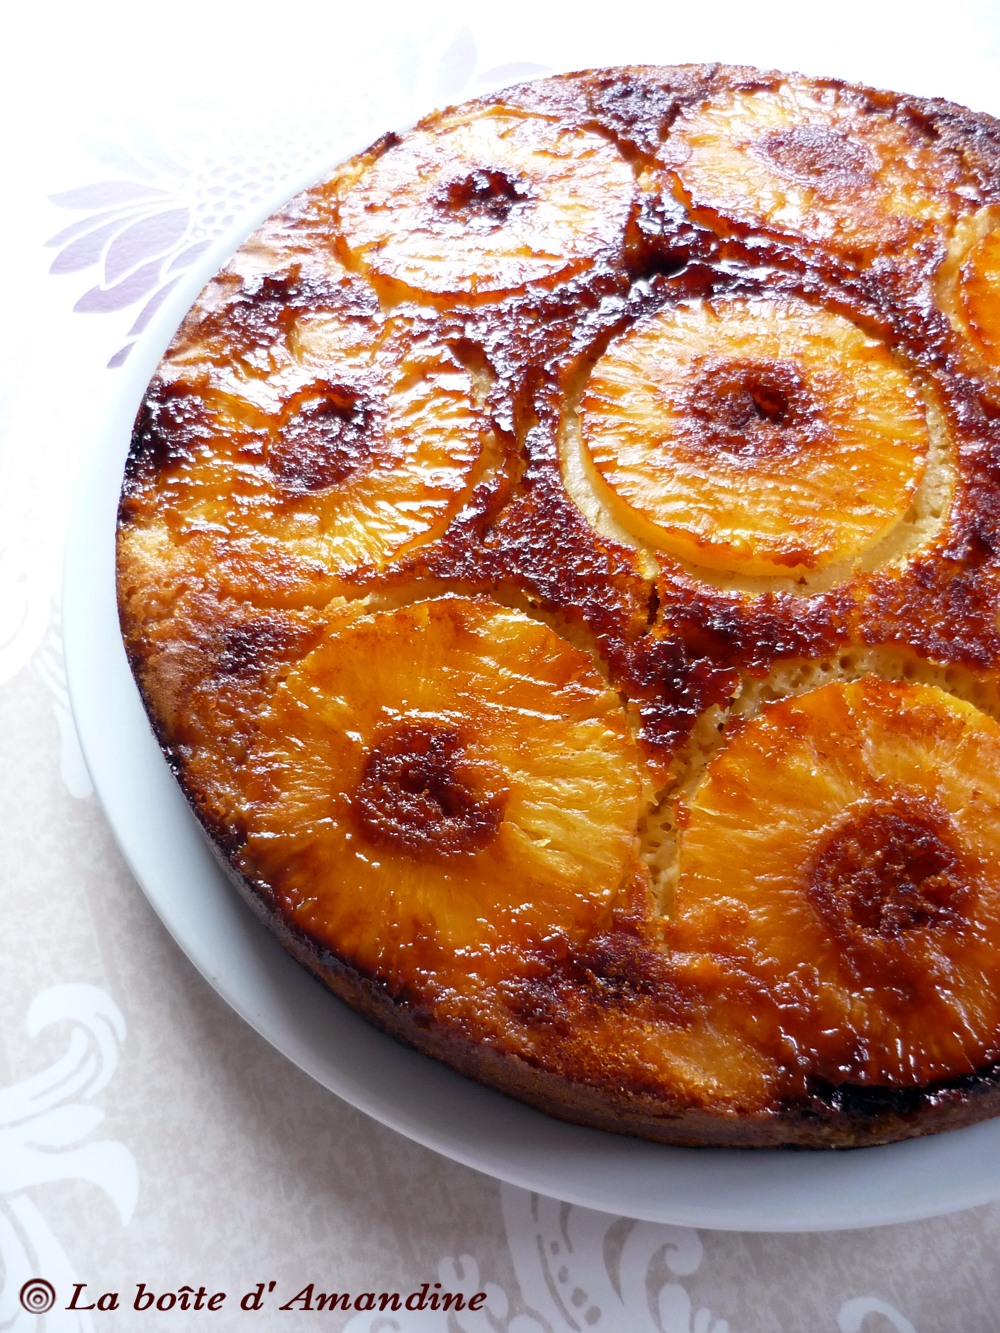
[138,235]
[577,1271]
[146,225]
[45,1128]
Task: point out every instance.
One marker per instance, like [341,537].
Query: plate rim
[765,1190]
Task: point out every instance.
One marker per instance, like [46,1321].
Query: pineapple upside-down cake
[560,556]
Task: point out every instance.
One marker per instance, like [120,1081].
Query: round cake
[560,557]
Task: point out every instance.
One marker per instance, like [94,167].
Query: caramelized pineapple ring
[843,855]
[755,436]
[446,781]
[484,206]
[364,444]
[979,295]
[813,163]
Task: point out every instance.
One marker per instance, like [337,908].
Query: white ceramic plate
[164,845]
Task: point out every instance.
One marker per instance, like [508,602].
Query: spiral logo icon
[37,1295]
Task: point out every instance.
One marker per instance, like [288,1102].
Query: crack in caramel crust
[225,592]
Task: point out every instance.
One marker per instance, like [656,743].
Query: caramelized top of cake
[559,557]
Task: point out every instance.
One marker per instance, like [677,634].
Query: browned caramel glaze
[886,870]
[749,410]
[419,793]
[323,437]
[815,155]
[535,787]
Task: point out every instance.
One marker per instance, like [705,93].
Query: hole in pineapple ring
[323,440]
[888,868]
[421,793]
[483,200]
[817,155]
[751,409]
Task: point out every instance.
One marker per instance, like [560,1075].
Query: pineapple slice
[451,780]
[760,436]
[367,444]
[813,163]
[979,295]
[842,857]
[484,205]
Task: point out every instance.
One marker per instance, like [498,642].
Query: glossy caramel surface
[560,556]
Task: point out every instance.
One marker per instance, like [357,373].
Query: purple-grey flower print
[140,236]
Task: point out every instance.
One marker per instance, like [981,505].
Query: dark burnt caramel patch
[421,793]
[324,438]
[483,200]
[820,156]
[170,426]
[888,868]
[752,409]
[254,644]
